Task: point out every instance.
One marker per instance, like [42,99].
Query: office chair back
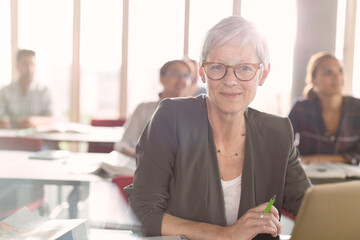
[104,147]
[108,122]
[20,144]
[121,182]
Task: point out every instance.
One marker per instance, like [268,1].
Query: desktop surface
[94,134]
[100,234]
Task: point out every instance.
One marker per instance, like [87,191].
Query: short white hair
[237,31]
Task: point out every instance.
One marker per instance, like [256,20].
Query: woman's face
[329,78]
[176,79]
[230,95]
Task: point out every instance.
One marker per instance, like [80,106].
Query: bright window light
[356,73]
[5,49]
[279,27]
[100,58]
[156,35]
[203,15]
[45,26]
[340,30]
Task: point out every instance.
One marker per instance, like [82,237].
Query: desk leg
[59,195]
[73,200]
[79,193]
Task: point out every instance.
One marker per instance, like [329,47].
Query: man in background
[25,102]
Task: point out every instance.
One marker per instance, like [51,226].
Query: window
[156,35]
[204,14]
[45,26]
[100,58]
[356,73]
[279,27]
[5,48]
[340,29]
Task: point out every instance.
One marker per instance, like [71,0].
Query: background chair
[285,213]
[121,182]
[20,144]
[104,147]
[14,196]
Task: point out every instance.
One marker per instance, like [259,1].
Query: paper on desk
[115,163]
[63,127]
[331,170]
[24,225]
[49,154]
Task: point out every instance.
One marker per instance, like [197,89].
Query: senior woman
[208,165]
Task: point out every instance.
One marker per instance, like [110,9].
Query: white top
[134,126]
[232,193]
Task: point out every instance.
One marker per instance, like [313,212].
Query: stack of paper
[115,164]
[332,170]
[27,225]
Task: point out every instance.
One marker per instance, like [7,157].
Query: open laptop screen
[329,211]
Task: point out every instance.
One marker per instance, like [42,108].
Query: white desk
[95,134]
[100,234]
[16,167]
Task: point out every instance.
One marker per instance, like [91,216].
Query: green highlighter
[271,202]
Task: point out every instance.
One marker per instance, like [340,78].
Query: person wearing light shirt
[175,78]
[25,102]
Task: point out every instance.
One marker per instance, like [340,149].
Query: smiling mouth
[230,95]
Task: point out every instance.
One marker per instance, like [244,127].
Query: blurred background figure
[25,102]
[326,122]
[175,76]
[194,88]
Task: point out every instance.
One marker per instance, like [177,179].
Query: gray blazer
[178,171]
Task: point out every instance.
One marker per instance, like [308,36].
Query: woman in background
[326,122]
[175,78]
[194,88]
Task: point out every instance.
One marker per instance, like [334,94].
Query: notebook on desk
[330,170]
[329,211]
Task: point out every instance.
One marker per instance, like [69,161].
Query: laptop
[329,211]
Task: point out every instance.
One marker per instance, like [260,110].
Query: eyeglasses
[178,75]
[244,72]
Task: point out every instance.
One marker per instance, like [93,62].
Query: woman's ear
[202,74]
[264,74]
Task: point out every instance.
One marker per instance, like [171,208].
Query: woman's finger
[259,229]
[262,207]
[267,219]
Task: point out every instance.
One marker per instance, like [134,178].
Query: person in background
[193,89]
[208,165]
[25,102]
[325,121]
[175,77]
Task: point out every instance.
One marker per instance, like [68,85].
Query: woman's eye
[245,68]
[328,72]
[217,67]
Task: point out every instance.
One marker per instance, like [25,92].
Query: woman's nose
[230,79]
